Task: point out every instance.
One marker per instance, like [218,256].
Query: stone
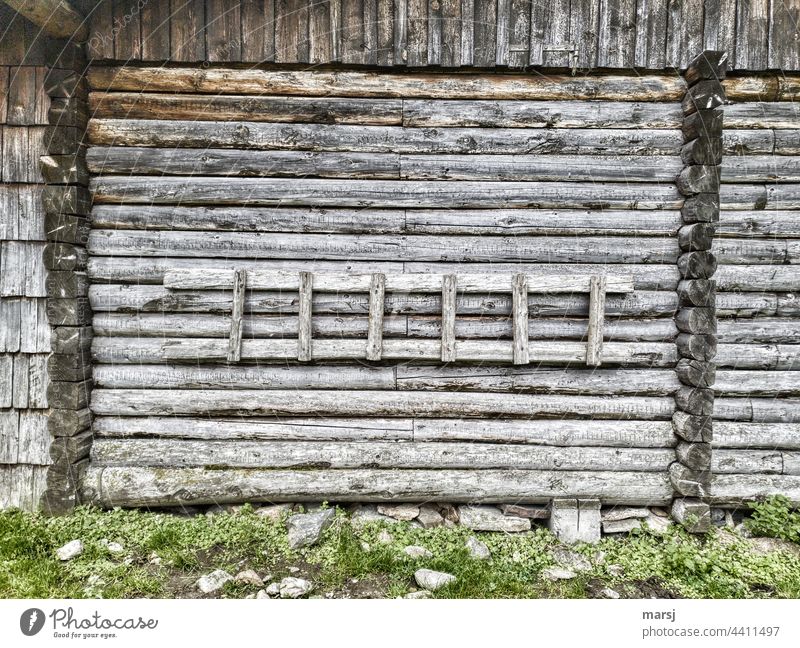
[657,524]
[622,526]
[477,549]
[609,593]
[214,581]
[275,512]
[433,580]
[660,512]
[742,530]
[366,514]
[305,529]
[718,517]
[770,545]
[250,597]
[530,512]
[115,547]
[571,559]
[70,550]
[421,594]
[618,513]
[693,513]
[154,558]
[491,518]
[729,520]
[218,509]
[429,516]
[384,537]
[558,573]
[404,512]
[574,520]
[293,588]
[262,594]
[417,552]
[273,589]
[449,513]
[249,577]
[615,570]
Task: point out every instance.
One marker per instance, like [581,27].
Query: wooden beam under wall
[57,18]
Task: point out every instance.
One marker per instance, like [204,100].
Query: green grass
[354,562]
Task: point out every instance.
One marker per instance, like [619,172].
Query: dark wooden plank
[550,25]
[467,32]
[502,33]
[371,31]
[400,31]
[435,36]
[352,33]
[291,31]
[258,30]
[21,96]
[417,48]
[752,31]
[12,36]
[684,32]
[128,26]
[4,81]
[187,30]
[584,30]
[320,47]
[35,41]
[485,33]
[519,33]
[784,35]
[223,31]
[651,34]
[617,33]
[385,29]
[155,31]
[719,30]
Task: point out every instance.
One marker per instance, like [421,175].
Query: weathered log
[746,304]
[66,200]
[704,95]
[381,193]
[697,236]
[695,400]
[64,169]
[66,284]
[69,395]
[69,312]
[695,372]
[692,483]
[402,248]
[170,453]
[639,434]
[708,65]
[69,367]
[68,112]
[70,339]
[738,490]
[696,320]
[185,486]
[747,142]
[389,221]
[64,141]
[127,402]
[744,462]
[763,330]
[124,350]
[378,139]
[759,410]
[68,422]
[698,179]
[754,279]
[759,356]
[697,292]
[762,114]
[702,151]
[701,208]
[696,456]
[318,110]
[65,257]
[70,450]
[697,265]
[692,513]
[64,228]
[63,83]
[705,123]
[787,142]
[692,428]
[748,435]
[371,84]
[749,251]
[758,383]
[56,18]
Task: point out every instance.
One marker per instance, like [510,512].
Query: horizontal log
[759,410]
[787,142]
[696,320]
[64,228]
[738,490]
[191,107]
[747,435]
[562,432]
[63,256]
[380,139]
[702,150]
[136,402]
[124,350]
[222,81]
[367,247]
[696,456]
[698,179]
[704,95]
[69,395]
[388,221]
[746,304]
[759,224]
[68,422]
[695,400]
[701,208]
[757,168]
[255,326]
[692,483]
[704,123]
[151,270]
[66,284]
[170,453]
[696,265]
[406,282]
[747,142]
[70,339]
[64,169]
[752,462]
[708,65]
[691,427]
[69,312]
[696,236]
[125,298]
[159,487]
[757,279]
[695,373]
[66,200]
[759,356]
[755,252]
[56,18]
[68,112]
[762,330]
[697,292]
[762,114]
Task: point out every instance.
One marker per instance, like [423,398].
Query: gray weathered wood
[696,456]
[375,326]
[597,304]
[692,428]
[695,372]
[738,490]
[56,18]
[748,435]
[304,332]
[448,342]
[237,312]
[520,319]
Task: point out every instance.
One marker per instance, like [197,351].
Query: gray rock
[574,520]
[571,560]
[362,515]
[449,513]
[433,580]
[429,516]
[622,526]
[115,547]
[417,552]
[305,529]
[384,537]
[404,512]
[530,512]
[477,549]
[70,550]
[660,512]
[250,597]
[616,570]
[742,530]
[558,573]
[219,509]
[214,581]
[275,512]
[273,589]
[491,518]
[609,593]
[718,517]
[293,588]
[249,577]
[618,513]
[657,524]
[421,594]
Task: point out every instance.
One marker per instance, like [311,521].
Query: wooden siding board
[258,30]
[719,27]
[485,33]
[585,31]
[417,47]
[651,34]
[467,32]
[223,31]
[320,47]
[187,30]
[291,31]
[385,32]
[435,35]
[752,30]
[127,28]
[155,31]
[684,32]
[784,35]
[617,33]
[550,25]
[22,96]
[519,33]
[371,32]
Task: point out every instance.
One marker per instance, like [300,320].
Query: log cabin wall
[213,169]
